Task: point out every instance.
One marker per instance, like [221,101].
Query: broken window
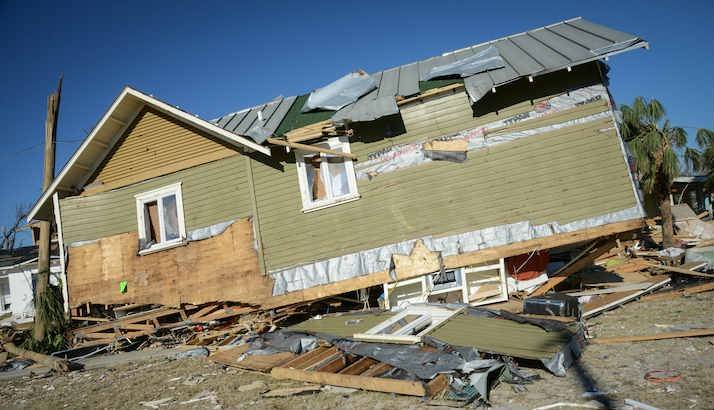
[326,179]
[160,217]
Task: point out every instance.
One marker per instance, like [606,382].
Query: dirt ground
[616,370]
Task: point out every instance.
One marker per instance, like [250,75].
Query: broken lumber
[659,336]
[406,387]
[680,270]
[684,291]
[311,148]
[580,262]
[54,363]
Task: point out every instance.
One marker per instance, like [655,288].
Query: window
[5,301]
[325,179]
[160,216]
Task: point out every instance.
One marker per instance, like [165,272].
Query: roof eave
[145,99]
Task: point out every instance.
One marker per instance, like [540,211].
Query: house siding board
[529,179]
[212,193]
[153,144]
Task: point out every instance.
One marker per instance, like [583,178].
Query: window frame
[334,143]
[157,195]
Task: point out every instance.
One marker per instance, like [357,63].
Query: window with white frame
[326,179]
[160,216]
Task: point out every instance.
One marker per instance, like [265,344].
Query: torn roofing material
[528,54]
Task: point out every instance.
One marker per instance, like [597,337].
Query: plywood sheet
[222,268]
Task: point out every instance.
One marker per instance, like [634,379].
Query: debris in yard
[292,391]
[258,385]
[155,404]
[663,376]
[639,405]
[659,336]
[203,396]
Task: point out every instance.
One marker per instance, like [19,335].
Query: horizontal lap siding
[155,144]
[566,175]
[212,193]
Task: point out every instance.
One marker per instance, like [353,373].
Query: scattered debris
[292,391]
[156,403]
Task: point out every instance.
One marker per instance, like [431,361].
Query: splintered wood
[224,267]
[327,365]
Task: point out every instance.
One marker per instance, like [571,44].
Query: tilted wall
[561,176]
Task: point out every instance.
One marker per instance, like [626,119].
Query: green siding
[501,336]
[343,325]
[571,174]
[212,193]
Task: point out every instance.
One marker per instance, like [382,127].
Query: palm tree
[653,142]
[702,159]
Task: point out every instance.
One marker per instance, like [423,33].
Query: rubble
[446,352]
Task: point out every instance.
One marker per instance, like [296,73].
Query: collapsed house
[423,179]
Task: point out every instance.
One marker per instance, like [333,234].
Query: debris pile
[528,310]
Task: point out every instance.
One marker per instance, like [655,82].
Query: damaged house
[422,179]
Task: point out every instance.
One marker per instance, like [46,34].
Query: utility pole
[43,257]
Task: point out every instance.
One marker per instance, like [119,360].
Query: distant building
[18,271]
[690,189]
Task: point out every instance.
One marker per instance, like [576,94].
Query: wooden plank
[399,339]
[659,336]
[377,370]
[616,299]
[684,291]
[680,270]
[311,148]
[581,261]
[334,365]
[454,261]
[616,289]
[436,385]
[406,387]
[359,366]
[299,361]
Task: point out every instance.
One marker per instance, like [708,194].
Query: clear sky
[215,57]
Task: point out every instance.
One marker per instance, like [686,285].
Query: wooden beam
[311,148]
[432,93]
[680,270]
[676,293]
[406,387]
[659,336]
[580,262]
[359,366]
[453,261]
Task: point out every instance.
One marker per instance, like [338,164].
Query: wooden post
[43,257]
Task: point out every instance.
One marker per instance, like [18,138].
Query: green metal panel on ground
[501,336]
[569,174]
[342,325]
[212,193]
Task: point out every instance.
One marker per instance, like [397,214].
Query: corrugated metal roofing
[532,53]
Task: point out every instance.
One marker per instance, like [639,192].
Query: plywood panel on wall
[222,268]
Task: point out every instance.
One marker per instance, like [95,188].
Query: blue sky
[215,57]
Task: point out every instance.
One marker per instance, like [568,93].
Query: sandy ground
[617,370]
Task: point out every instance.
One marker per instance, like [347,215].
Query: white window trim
[308,205]
[154,195]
